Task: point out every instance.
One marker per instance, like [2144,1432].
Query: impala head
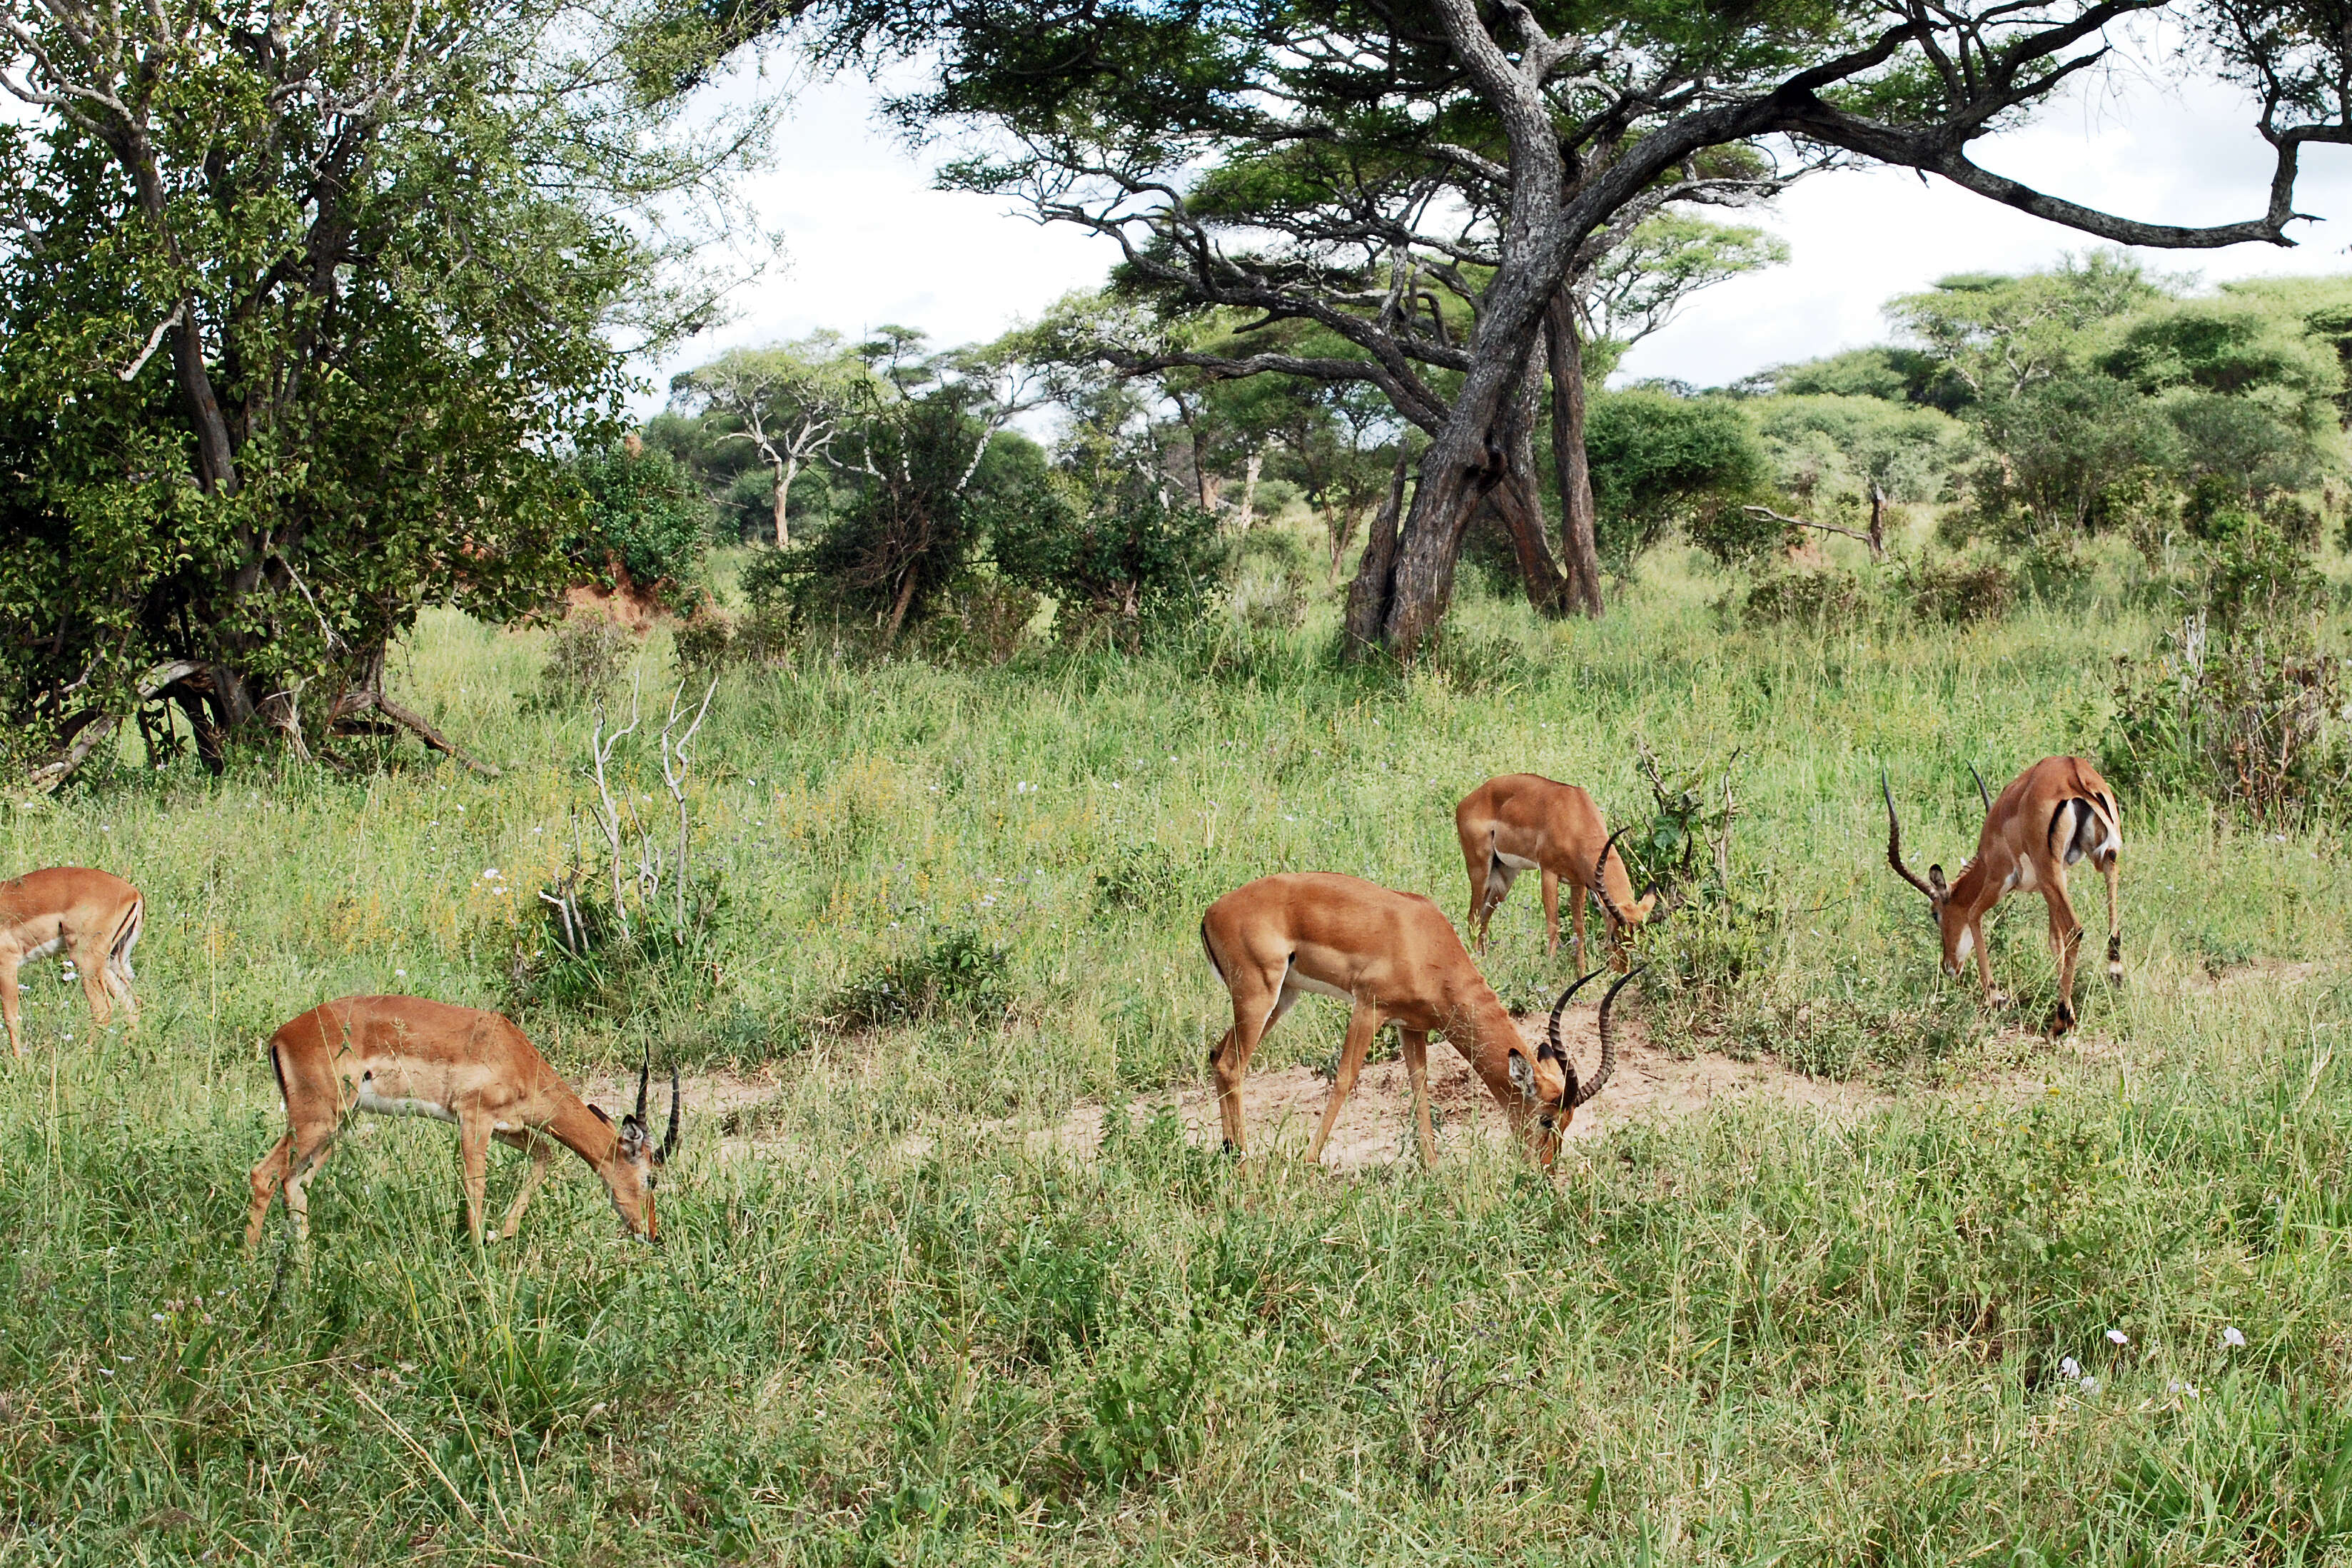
[1646,908]
[1551,1087]
[1951,922]
[636,1161]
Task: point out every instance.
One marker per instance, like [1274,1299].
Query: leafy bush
[584,656]
[1142,1410]
[1272,576]
[1960,592]
[981,623]
[1658,459]
[645,523]
[1824,601]
[1126,556]
[2264,731]
[2253,573]
[960,974]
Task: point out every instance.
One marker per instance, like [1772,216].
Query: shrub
[584,654]
[1824,601]
[1657,459]
[2259,730]
[1272,577]
[2254,573]
[645,523]
[1960,593]
[1127,557]
[960,974]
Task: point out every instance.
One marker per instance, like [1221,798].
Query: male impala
[1393,956]
[2056,812]
[94,915]
[403,1056]
[1524,821]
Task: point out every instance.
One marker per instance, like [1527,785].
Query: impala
[403,1056]
[1392,956]
[1522,822]
[2056,812]
[93,915]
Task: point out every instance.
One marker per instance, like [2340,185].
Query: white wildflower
[2070,1369]
[2233,1339]
[2117,1336]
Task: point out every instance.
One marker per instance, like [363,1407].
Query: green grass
[1745,1336]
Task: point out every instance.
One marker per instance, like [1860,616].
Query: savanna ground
[958,907]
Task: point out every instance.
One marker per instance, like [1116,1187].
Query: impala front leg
[542,1151]
[474,1152]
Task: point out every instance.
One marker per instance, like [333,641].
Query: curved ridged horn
[669,1139]
[644,1070]
[1982,794]
[1894,840]
[1608,1043]
[1560,1007]
[1623,918]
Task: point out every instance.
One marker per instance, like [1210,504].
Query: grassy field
[1744,1336]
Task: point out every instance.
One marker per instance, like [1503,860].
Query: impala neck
[579,1129]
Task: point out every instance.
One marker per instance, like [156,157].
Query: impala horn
[1981,794]
[1622,917]
[644,1070]
[1608,1041]
[1558,1051]
[1894,841]
[669,1139]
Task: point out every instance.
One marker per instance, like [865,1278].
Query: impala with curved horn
[2055,813]
[93,916]
[404,1056]
[1522,822]
[1393,957]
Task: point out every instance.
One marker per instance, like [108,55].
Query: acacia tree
[790,402]
[299,310]
[1352,161]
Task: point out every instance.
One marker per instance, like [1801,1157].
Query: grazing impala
[1524,821]
[1393,956]
[403,1056]
[2056,812]
[93,915]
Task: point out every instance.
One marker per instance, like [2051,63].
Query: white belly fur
[1298,982]
[370,1101]
[44,949]
[1513,862]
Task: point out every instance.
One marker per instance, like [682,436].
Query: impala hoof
[2062,1020]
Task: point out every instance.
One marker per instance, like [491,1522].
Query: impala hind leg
[1362,1024]
[264,1178]
[2113,871]
[11,1007]
[1259,1002]
[93,962]
[2065,946]
[1551,911]
[1415,1044]
[1490,884]
[300,1169]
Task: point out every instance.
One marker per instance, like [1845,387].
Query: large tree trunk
[1580,543]
[785,473]
[1518,502]
[1369,593]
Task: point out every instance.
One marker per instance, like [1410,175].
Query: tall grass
[894,1333]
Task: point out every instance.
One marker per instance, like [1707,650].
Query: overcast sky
[868,241]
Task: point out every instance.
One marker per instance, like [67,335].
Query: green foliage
[644,526]
[959,976]
[1827,449]
[584,657]
[1958,592]
[1658,459]
[1118,552]
[288,350]
[1821,600]
[2256,725]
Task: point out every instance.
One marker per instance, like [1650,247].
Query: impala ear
[599,1110]
[1523,1077]
[1936,880]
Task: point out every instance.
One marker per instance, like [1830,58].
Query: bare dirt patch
[1375,1128]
